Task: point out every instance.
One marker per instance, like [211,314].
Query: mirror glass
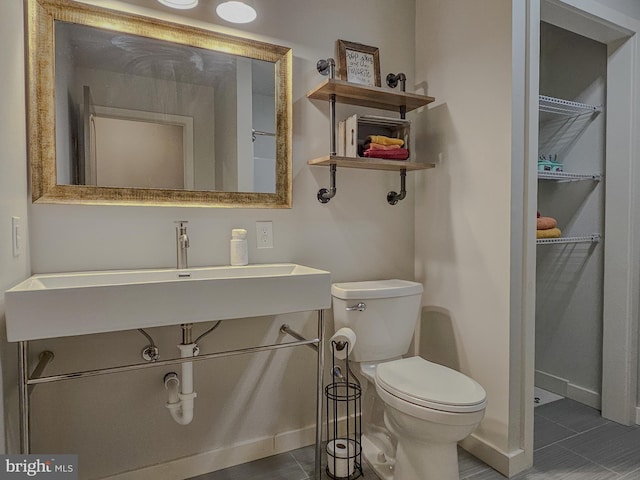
[144,113]
[203,118]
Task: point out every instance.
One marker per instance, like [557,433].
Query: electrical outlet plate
[264,234]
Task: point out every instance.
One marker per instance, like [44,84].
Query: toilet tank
[385,326]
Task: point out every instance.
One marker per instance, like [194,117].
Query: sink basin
[78,303]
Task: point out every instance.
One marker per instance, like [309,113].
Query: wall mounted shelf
[369,163]
[333,90]
[560,106]
[568,176]
[569,108]
[365,96]
[593,238]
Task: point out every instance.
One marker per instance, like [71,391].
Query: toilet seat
[429,385]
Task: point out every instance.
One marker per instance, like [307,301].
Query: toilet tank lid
[375,289]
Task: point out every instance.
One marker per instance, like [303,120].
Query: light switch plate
[16,236]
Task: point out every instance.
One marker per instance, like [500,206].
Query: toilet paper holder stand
[343,418]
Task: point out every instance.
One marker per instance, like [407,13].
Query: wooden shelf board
[369,163]
[373,97]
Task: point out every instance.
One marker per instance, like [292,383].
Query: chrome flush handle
[361,307]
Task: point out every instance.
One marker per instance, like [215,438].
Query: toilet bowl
[415,410]
[429,409]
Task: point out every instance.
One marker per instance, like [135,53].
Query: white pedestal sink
[66,304]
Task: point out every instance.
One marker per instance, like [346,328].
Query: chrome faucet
[182,243]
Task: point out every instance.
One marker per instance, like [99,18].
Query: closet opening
[571,196]
[581,314]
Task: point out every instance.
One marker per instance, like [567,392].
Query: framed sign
[359,63]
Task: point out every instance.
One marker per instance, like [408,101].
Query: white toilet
[421,410]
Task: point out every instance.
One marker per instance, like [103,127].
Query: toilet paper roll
[341,454]
[346,336]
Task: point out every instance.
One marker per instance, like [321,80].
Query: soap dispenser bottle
[239,248]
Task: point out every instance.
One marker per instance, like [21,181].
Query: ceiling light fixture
[236,11]
[180,4]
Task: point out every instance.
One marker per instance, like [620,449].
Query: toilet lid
[430,385]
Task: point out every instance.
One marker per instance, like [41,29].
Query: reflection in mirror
[144,113]
[125,109]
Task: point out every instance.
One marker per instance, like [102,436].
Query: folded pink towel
[545,223]
[397,154]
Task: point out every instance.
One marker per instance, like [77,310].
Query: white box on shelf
[341,138]
[358,127]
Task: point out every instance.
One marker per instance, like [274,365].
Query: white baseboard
[584,396]
[507,463]
[552,383]
[224,457]
[564,387]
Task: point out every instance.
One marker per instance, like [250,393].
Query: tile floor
[572,442]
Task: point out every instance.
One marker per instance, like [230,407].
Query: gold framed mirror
[214,110]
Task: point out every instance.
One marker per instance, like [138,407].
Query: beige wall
[463,217]
[13,191]
[119,422]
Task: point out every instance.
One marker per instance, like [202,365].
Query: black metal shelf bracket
[328,67]
[393,80]
[324,194]
[392,197]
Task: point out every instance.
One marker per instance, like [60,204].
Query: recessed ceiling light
[181,4]
[236,11]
